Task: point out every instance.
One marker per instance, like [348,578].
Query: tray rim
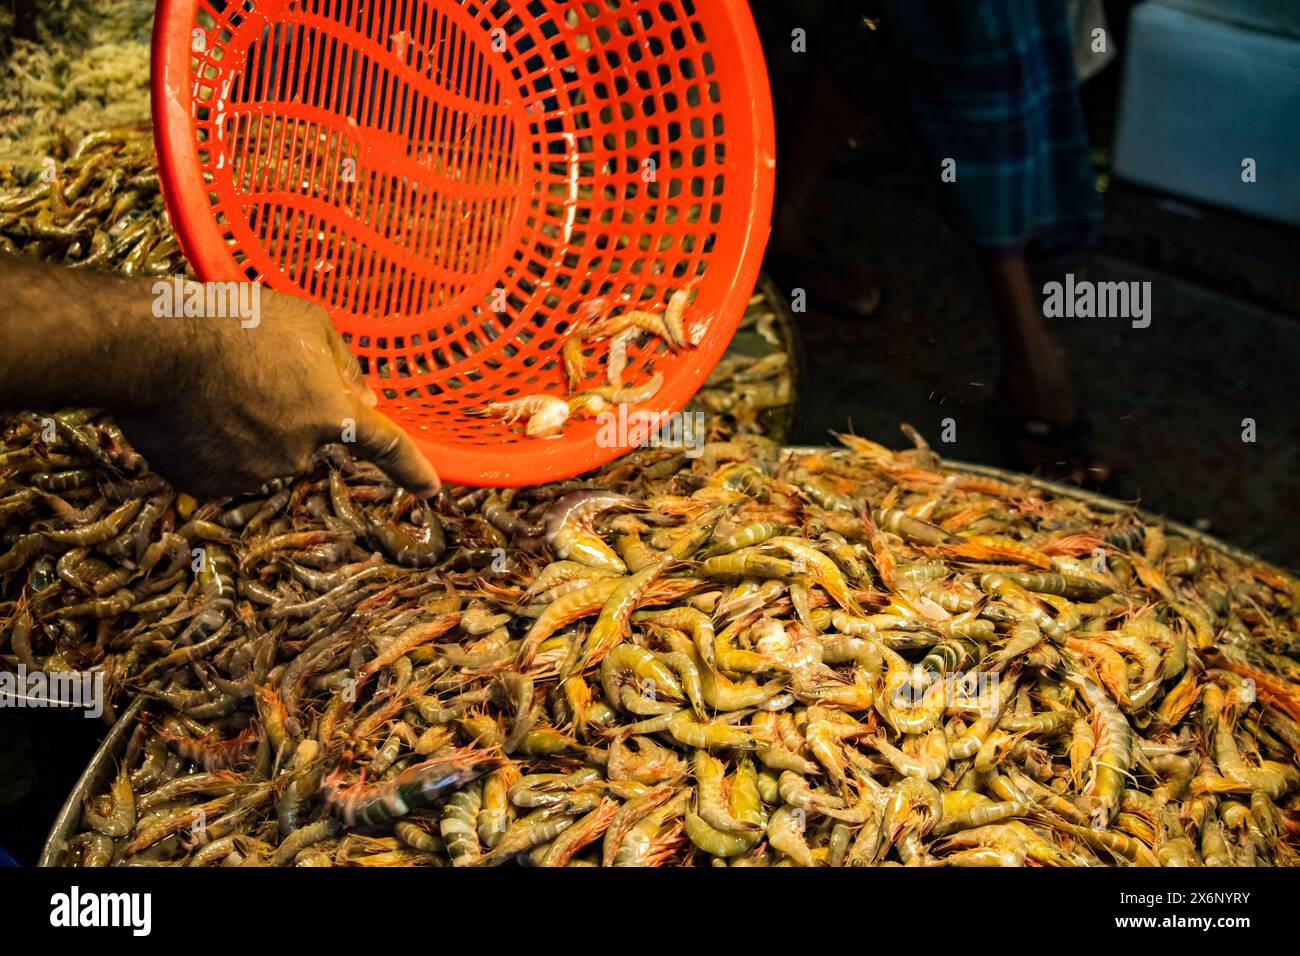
[1091,498]
[54,852]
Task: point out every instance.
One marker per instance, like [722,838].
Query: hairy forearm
[76,338]
[219,392]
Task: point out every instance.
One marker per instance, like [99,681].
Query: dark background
[1166,402]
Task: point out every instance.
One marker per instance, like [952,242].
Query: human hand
[245,405]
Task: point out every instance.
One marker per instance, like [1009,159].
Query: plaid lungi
[991,85]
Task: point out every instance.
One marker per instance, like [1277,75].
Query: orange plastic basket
[453,180]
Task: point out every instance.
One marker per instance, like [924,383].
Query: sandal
[1056,452]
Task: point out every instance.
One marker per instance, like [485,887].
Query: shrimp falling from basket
[544,415]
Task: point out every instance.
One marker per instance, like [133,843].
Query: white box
[1272,16]
[1200,98]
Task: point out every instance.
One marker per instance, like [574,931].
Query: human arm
[216,407]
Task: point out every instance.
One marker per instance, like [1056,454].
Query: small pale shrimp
[121,820]
[459,822]
[698,624]
[981,814]
[634,679]
[568,528]
[785,832]
[711,799]
[587,830]
[1047,724]
[416,836]
[824,739]
[1014,785]
[912,529]
[723,694]
[1272,778]
[648,763]
[494,811]
[911,803]
[546,414]
[866,846]
[686,665]
[303,838]
[1022,637]
[586,405]
[638,319]
[611,627]
[1179,851]
[1120,844]
[617,361]
[539,827]
[96,532]
[685,729]
[1072,586]
[743,811]
[477,620]
[746,536]
[673,318]
[818,567]
[776,758]
[566,610]
[824,686]
[1082,742]
[653,839]
[903,706]
[928,762]
[628,815]
[797,792]
[992,845]
[747,563]
[575,362]
[559,573]
[1112,749]
[521,691]
[861,651]
[717,843]
[632,394]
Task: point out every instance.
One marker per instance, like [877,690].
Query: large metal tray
[94,779]
[103,764]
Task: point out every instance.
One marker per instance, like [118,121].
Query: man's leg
[1034,377]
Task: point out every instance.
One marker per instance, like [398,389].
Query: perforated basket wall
[454,180]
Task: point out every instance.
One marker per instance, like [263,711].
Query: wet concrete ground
[1167,402]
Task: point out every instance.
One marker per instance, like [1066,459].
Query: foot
[1046,433]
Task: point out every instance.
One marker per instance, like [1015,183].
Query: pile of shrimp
[751,394]
[736,396]
[88,67]
[93,202]
[841,658]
